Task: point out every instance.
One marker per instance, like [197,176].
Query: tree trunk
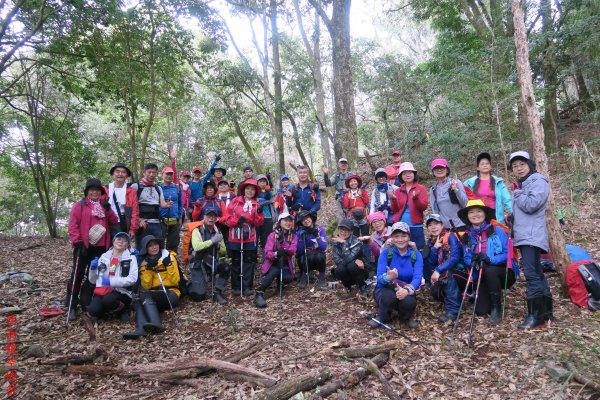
[582,91]
[346,136]
[557,241]
[299,145]
[550,80]
[277,111]
[240,134]
[286,389]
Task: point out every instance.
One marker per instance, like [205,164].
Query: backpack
[390,257]
[148,210]
[187,240]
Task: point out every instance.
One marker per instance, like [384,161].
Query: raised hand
[391,274]
[325,169]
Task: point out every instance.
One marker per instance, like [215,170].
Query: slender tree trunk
[582,90]
[298,144]
[277,111]
[550,80]
[240,134]
[557,241]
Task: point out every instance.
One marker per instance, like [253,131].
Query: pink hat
[168,170]
[379,215]
[439,162]
[406,166]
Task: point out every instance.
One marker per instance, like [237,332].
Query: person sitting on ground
[447,195]
[381,234]
[209,252]
[113,276]
[399,274]
[449,277]
[381,198]
[304,195]
[244,215]
[339,180]
[485,248]
[350,265]
[265,200]
[279,251]
[312,243]
[89,235]
[393,169]
[123,201]
[155,263]
[409,203]
[490,188]
[530,199]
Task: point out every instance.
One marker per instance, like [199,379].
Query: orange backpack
[187,240]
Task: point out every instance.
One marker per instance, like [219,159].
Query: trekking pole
[175,320]
[306,261]
[510,260]
[281,282]
[389,328]
[469,280]
[75,268]
[469,342]
[212,278]
[241,262]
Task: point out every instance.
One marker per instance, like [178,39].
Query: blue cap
[211,208]
[125,235]
[284,176]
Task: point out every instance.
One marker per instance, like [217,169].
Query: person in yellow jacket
[155,260]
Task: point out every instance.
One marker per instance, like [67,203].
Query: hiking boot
[445,317]
[410,324]
[323,281]
[248,292]
[259,300]
[124,316]
[236,292]
[153,324]
[217,297]
[303,281]
[496,312]
[535,314]
[373,324]
[364,290]
[72,314]
[548,312]
[140,320]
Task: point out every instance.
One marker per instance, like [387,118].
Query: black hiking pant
[387,302]
[81,262]
[276,272]
[350,274]
[160,299]
[492,281]
[105,304]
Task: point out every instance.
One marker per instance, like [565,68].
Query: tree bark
[368,351]
[299,145]
[385,384]
[557,241]
[286,389]
[550,80]
[351,379]
[346,135]
[277,110]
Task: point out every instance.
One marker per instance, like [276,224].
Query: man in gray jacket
[530,197]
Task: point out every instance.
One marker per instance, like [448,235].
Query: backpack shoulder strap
[390,256]
[413,257]
[140,188]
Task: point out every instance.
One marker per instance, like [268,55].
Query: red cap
[168,170]
[197,169]
[185,173]
[397,152]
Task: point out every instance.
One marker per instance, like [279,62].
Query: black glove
[167,261]
[281,253]
[476,258]
[218,158]
[80,246]
[152,264]
[316,187]
[313,231]
[241,221]
[259,210]
[486,260]
[106,205]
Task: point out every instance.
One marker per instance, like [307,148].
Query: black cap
[346,223]
[93,183]
[120,165]
[248,168]
[483,156]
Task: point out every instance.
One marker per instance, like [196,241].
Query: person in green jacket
[490,188]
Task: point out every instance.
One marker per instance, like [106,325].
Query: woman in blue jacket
[490,188]
[312,243]
[485,248]
[399,274]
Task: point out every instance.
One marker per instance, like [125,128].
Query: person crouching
[349,259]
[312,243]
[399,273]
[279,250]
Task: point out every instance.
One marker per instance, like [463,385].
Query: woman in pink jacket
[89,233]
[280,248]
[410,202]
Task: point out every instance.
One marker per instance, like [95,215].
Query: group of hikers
[467,248]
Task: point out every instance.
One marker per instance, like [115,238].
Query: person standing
[530,200]
[304,195]
[123,201]
[197,183]
[265,199]
[171,216]
[381,198]
[393,169]
[447,195]
[339,180]
[89,235]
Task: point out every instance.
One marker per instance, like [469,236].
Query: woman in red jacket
[244,215]
[409,203]
[89,233]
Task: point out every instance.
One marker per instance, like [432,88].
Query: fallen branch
[286,389]
[77,359]
[349,380]
[385,384]
[360,352]
[251,379]
[33,246]
[167,366]
[10,311]
[335,345]
[562,374]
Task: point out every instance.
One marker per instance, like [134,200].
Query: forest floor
[503,363]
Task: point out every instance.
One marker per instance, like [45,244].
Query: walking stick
[281,282]
[389,328]
[306,261]
[469,342]
[75,268]
[241,236]
[212,278]
[168,299]
[510,260]
[469,280]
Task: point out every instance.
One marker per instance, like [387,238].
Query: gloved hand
[476,258]
[166,261]
[80,246]
[313,231]
[259,209]
[281,253]
[218,158]
[241,221]
[106,205]
[216,238]
[316,187]
[486,260]
[152,264]
[94,263]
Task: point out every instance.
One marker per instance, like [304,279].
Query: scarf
[481,236]
[247,205]
[381,188]
[380,238]
[147,182]
[97,209]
